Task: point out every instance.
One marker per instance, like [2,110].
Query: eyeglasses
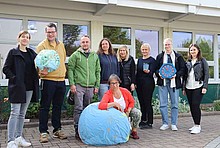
[167,44]
[51,32]
[113,83]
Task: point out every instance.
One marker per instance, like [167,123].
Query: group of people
[113,76]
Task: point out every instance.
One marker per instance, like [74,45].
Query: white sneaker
[12,144]
[190,129]
[164,127]
[196,130]
[20,141]
[174,128]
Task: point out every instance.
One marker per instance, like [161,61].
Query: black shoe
[146,126]
[142,123]
[77,136]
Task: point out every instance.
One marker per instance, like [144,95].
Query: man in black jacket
[169,86]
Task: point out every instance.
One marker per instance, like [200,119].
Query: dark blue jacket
[109,65]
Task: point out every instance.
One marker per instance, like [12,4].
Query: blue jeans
[16,119]
[174,98]
[102,89]
[52,92]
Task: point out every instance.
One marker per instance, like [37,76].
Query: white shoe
[196,130]
[164,127]
[191,128]
[20,141]
[174,128]
[12,144]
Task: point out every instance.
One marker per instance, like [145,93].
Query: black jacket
[201,72]
[179,65]
[14,69]
[127,72]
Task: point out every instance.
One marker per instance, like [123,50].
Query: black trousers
[145,89]
[194,97]
[52,93]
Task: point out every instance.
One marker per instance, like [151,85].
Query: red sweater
[108,98]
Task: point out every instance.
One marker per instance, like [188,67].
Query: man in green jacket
[84,77]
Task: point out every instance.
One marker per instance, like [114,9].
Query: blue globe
[103,127]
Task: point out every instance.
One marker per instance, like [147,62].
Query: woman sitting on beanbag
[121,99]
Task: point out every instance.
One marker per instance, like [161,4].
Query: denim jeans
[52,92]
[102,89]
[174,99]
[16,119]
[82,99]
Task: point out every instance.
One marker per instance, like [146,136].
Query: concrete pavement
[149,138]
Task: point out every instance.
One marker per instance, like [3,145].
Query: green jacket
[84,71]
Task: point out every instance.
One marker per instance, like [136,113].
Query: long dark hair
[110,49]
[199,55]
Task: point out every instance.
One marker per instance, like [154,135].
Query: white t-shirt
[120,101]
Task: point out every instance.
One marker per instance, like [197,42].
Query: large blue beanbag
[103,127]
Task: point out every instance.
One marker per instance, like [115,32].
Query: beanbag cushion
[103,127]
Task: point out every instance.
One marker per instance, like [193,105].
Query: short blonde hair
[127,51]
[146,45]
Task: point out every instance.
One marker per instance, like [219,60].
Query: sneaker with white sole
[164,127]
[196,130]
[20,141]
[190,129]
[12,144]
[174,128]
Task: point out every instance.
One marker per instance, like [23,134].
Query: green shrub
[216,105]
[33,110]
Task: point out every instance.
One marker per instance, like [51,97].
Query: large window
[117,35]
[8,38]
[182,39]
[205,42]
[181,42]
[71,36]
[147,36]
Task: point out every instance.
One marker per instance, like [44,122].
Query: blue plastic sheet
[47,59]
[103,127]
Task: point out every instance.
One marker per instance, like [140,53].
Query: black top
[127,72]
[152,67]
[29,64]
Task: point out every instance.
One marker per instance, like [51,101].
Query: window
[147,36]
[8,38]
[71,36]
[117,35]
[182,39]
[181,42]
[205,42]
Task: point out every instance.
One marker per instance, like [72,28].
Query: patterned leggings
[135,115]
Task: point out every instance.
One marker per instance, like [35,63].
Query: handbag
[70,98]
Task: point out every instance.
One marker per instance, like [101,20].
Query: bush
[216,105]
[182,106]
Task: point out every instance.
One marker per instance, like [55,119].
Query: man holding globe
[52,86]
